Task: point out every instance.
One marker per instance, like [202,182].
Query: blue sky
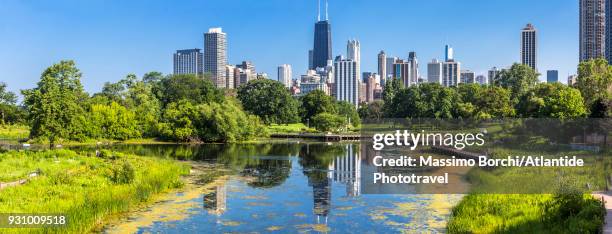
[111,38]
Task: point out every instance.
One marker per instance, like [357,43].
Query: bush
[326,122]
[123,174]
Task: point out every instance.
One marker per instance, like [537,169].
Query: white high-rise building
[215,55]
[414,68]
[285,75]
[493,73]
[188,62]
[382,66]
[529,47]
[434,72]
[229,77]
[449,53]
[353,50]
[451,73]
[347,80]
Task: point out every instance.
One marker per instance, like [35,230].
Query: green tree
[326,122]
[349,112]
[373,110]
[112,122]
[189,87]
[392,88]
[484,102]
[518,79]
[152,77]
[9,111]
[552,101]
[316,102]
[594,81]
[428,100]
[54,105]
[269,100]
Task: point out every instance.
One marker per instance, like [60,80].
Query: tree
[112,122]
[428,100]
[594,81]
[54,105]
[326,122]
[152,77]
[316,102]
[189,87]
[518,79]
[373,110]
[348,111]
[392,88]
[9,111]
[484,102]
[269,100]
[552,101]
[209,122]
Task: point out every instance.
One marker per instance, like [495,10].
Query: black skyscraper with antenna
[322,50]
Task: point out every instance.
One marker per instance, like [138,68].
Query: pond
[283,187]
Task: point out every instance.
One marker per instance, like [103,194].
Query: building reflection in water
[347,170]
[215,200]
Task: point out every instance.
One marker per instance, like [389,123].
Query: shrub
[123,174]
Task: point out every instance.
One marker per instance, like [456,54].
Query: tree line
[188,108]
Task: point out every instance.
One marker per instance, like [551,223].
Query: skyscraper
[188,62]
[434,72]
[592,29]
[347,81]
[322,50]
[529,46]
[552,76]
[353,51]
[414,68]
[448,53]
[467,77]
[230,80]
[402,70]
[382,65]
[390,64]
[608,47]
[284,74]
[215,55]
[493,74]
[451,73]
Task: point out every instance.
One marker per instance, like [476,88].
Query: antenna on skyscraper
[318,10]
[326,14]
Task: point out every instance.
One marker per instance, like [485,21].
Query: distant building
[284,75]
[481,79]
[467,77]
[188,62]
[414,68]
[312,81]
[382,66]
[353,50]
[493,73]
[371,84]
[451,73]
[529,47]
[347,83]
[244,73]
[215,55]
[402,71]
[434,72]
[552,76]
[322,49]
[230,80]
[448,53]
[390,66]
[571,80]
[592,29]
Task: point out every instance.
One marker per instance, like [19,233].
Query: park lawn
[289,128]
[89,190]
[14,132]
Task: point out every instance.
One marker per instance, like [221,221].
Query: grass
[289,128]
[14,132]
[490,208]
[89,190]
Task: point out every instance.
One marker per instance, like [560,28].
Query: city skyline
[477,57]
